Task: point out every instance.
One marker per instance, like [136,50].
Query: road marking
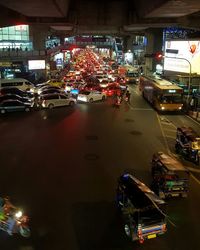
[172,137]
[192,119]
[163,134]
[193,169]
[170,130]
[195,179]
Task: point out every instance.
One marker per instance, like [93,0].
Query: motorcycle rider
[7,213]
[128,95]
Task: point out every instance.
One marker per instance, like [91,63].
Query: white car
[56,100]
[91,96]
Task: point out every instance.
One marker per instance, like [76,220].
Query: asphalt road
[61,166]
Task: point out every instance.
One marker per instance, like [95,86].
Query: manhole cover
[91,137]
[129,120]
[134,132]
[91,157]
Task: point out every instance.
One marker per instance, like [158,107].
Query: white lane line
[172,137]
[195,179]
[163,134]
[170,130]
[192,119]
[194,169]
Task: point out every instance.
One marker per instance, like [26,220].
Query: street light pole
[190,72]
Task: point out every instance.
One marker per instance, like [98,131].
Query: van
[19,83]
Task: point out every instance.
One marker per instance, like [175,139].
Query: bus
[19,83]
[161,93]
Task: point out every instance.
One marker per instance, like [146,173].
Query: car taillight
[141,239]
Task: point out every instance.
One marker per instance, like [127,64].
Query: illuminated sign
[182,56]
[36,64]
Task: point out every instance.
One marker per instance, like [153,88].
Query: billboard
[182,56]
[36,64]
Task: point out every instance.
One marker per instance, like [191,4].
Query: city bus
[161,93]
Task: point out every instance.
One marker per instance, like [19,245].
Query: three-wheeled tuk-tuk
[188,144]
[142,211]
[170,177]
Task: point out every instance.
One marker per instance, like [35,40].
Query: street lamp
[190,72]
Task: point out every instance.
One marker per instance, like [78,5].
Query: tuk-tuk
[170,177]
[188,144]
[142,211]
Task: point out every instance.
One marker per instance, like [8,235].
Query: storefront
[15,38]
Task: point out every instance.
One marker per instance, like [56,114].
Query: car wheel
[71,104]
[51,106]
[3,111]
[91,100]
[27,109]
[103,98]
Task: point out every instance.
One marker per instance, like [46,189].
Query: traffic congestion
[140,207]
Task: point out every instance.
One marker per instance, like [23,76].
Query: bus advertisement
[162,94]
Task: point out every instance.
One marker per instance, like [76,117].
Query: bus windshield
[169,99]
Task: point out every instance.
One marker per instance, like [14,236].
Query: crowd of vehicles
[89,79]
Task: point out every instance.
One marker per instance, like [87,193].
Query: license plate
[176,188]
[151,236]
[175,194]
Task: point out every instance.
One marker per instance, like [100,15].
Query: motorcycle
[118,102]
[12,220]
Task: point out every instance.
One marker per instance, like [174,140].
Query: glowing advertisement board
[36,64]
[183,55]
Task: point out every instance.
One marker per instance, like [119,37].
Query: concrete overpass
[117,17]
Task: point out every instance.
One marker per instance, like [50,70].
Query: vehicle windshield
[169,99]
[132,74]
[151,216]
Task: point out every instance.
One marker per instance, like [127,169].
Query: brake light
[141,239]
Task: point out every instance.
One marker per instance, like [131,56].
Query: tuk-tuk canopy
[170,163]
[189,133]
[139,194]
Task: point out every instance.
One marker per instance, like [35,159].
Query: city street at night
[61,166]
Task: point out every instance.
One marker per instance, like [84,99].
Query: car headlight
[162,108]
[180,108]
[18,214]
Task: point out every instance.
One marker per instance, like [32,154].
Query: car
[49,91]
[91,96]
[44,88]
[112,90]
[56,100]
[16,97]
[14,105]
[15,91]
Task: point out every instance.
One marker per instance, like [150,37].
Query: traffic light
[158,56]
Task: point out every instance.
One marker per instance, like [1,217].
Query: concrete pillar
[128,43]
[154,44]
[38,35]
